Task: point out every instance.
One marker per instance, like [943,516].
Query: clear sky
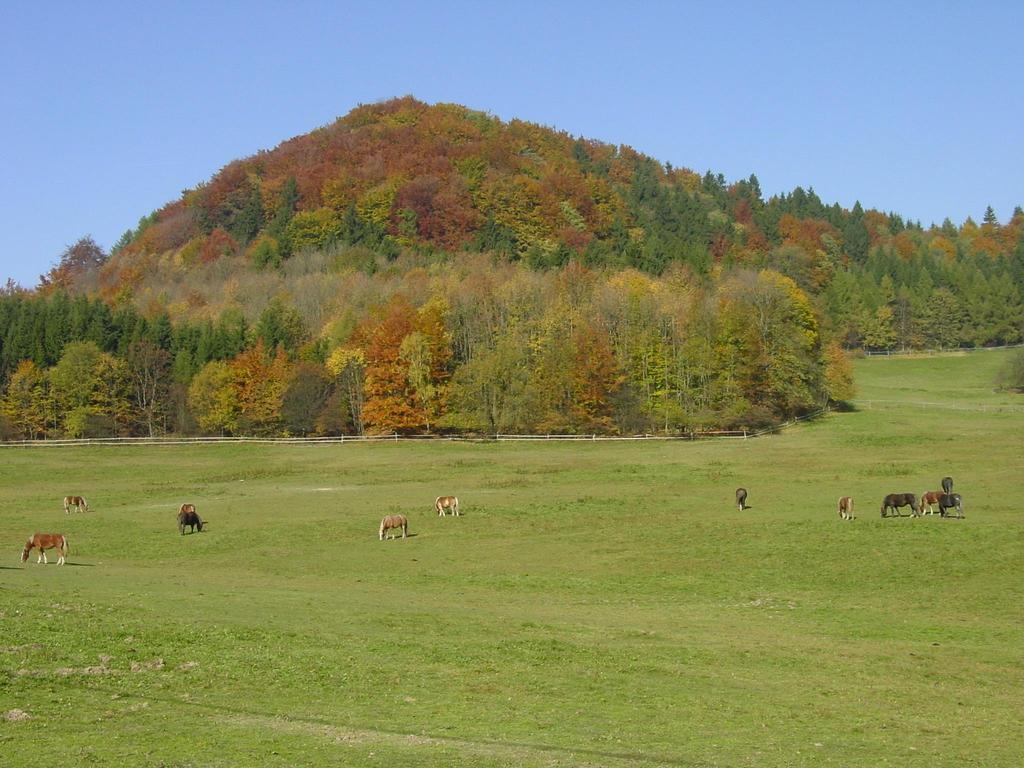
[109,110]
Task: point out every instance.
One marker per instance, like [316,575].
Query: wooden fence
[122,441]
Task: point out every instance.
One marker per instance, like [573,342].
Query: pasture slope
[596,604]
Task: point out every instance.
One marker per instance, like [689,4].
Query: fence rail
[115,441]
[869,404]
[939,351]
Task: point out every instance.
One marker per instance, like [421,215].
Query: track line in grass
[488,748]
[517,751]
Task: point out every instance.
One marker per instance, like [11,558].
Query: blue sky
[109,110]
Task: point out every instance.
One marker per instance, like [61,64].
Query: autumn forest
[421,268]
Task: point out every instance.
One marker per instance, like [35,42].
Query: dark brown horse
[896,500]
[187,516]
[741,498]
[43,542]
[947,484]
[951,501]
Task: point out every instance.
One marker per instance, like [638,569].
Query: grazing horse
[846,507]
[391,522]
[78,502]
[443,503]
[741,498]
[951,501]
[187,516]
[896,500]
[928,498]
[45,541]
[947,485]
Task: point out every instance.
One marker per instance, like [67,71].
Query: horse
[443,503]
[391,522]
[896,500]
[187,516]
[947,485]
[78,502]
[45,541]
[846,507]
[741,498]
[951,501]
[928,498]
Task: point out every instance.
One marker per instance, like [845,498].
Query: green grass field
[597,604]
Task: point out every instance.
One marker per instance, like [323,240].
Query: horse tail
[64,546]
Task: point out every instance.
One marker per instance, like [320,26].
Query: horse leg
[43,553]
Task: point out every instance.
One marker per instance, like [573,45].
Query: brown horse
[45,541]
[443,503]
[846,507]
[896,500]
[928,498]
[951,501]
[392,522]
[78,502]
[187,516]
[741,498]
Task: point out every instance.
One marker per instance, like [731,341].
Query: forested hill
[405,177]
[419,267]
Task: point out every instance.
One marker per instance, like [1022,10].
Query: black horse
[951,501]
[896,500]
[191,519]
[741,498]
[947,485]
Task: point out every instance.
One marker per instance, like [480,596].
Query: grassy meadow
[597,604]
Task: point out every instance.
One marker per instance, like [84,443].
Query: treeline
[482,346]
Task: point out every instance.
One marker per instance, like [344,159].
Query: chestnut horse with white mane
[928,498]
[846,507]
[392,523]
[78,502]
[443,503]
[43,542]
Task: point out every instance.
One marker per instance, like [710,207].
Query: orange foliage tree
[392,403]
